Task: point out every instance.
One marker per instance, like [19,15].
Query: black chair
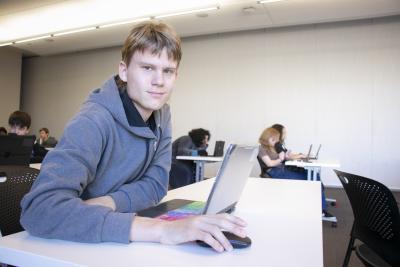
[376,221]
[15,182]
[181,174]
[264,168]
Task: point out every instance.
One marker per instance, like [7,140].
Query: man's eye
[147,67]
[169,71]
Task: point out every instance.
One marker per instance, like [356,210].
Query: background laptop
[317,154]
[15,149]
[218,149]
[309,157]
[225,193]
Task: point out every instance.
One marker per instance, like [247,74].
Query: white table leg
[199,170]
[309,170]
[315,173]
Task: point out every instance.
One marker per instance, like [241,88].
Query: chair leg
[350,248]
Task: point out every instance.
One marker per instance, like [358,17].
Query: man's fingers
[209,239]
[227,222]
[215,231]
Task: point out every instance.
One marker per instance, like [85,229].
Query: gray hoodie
[99,154]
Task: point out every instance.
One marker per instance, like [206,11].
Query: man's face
[19,130]
[43,135]
[205,141]
[150,80]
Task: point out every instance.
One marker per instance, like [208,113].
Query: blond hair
[154,37]
[266,135]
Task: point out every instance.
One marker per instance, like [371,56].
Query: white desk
[313,167]
[200,161]
[284,223]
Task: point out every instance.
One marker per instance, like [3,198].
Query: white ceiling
[230,17]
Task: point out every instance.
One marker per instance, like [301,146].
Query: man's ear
[122,71]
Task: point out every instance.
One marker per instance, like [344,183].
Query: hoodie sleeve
[153,185]
[53,208]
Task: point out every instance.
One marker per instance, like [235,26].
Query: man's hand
[105,201]
[207,228]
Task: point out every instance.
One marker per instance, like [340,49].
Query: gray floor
[336,239]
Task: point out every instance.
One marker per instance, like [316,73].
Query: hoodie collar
[109,97]
[132,114]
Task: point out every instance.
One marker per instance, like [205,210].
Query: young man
[114,158]
[45,140]
[19,123]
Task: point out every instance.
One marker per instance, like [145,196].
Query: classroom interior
[327,70]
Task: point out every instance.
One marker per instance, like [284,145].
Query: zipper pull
[155,145]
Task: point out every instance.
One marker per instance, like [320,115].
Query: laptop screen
[225,193]
[219,148]
[231,178]
[16,150]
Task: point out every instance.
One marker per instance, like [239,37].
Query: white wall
[54,87]
[334,84]
[10,82]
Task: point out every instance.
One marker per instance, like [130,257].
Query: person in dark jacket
[195,143]
[45,140]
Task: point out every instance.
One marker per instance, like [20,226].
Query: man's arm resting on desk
[207,228]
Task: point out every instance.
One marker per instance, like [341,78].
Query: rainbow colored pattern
[191,209]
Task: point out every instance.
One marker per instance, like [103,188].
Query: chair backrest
[18,182]
[264,168]
[376,215]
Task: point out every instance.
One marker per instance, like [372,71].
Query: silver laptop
[225,193]
[317,154]
[309,157]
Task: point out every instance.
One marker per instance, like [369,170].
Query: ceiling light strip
[268,1]
[32,39]
[5,44]
[120,23]
[75,31]
[187,12]
[124,22]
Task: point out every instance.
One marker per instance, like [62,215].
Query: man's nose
[158,78]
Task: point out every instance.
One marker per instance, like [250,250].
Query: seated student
[45,140]
[20,123]
[195,143]
[3,131]
[281,147]
[274,161]
[114,158]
